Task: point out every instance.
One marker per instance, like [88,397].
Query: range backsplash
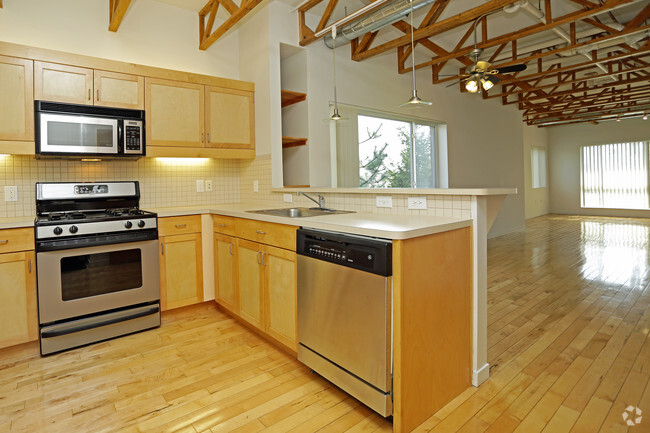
[163,182]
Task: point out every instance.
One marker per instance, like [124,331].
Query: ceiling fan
[481,75]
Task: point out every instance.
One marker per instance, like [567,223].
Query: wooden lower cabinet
[18,317]
[181,270]
[256,281]
[226,289]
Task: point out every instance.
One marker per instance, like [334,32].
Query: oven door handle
[83,327]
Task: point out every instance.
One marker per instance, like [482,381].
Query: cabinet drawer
[179,225]
[279,235]
[223,224]
[16,240]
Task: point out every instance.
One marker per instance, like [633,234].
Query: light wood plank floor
[569,317]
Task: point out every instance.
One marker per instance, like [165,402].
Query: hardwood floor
[569,318]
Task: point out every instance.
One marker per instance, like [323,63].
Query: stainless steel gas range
[97,263]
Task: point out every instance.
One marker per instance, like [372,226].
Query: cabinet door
[230,118]
[18,319]
[280,302]
[181,271]
[250,282]
[174,113]
[119,90]
[225,272]
[62,83]
[17,101]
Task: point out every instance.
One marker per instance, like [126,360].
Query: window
[538,166]
[377,149]
[395,153]
[615,176]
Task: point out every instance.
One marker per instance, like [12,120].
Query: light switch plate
[417,202]
[208,185]
[256,186]
[200,187]
[11,193]
[384,201]
[288,198]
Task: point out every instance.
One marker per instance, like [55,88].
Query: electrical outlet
[200,186]
[417,202]
[256,186]
[208,185]
[384,201]
[288,198]
[11,193]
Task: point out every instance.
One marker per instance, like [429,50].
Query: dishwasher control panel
[363,253]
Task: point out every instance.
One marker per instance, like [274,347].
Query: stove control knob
[141,223]
[73,229]
[58,230]
[128,224]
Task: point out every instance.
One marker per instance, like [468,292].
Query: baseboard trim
[481,375]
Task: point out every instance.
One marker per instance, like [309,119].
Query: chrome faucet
[320,202]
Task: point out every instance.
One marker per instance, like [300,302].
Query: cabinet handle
[4,241]
[202,140]
[29,265]
[90,95]
[98,94]
[180,226]
[260,232]
[263,254]
[208,137]
[222,225]
[230,249]
[162,251]
[259,253]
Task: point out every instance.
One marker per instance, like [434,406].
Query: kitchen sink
[299,212]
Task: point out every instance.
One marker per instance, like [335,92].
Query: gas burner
[76,215]
[56,216]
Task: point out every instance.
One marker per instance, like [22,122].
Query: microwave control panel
[133,137]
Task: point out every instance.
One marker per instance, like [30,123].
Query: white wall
[152,33]
[537,199]
[485,139]
[564,161]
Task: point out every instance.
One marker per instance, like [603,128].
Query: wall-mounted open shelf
[293,142]
[289,97]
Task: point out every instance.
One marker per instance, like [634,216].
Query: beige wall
[537,199]
[564,161]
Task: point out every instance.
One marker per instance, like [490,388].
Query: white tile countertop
[361,223]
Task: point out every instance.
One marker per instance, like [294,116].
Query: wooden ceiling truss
[207,16]
[607,77]
[117,10]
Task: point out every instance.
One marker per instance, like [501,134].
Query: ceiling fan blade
[507,69]
[456,82]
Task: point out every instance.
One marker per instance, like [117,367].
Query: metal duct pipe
[384,16]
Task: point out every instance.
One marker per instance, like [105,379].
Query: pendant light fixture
[335,115]
[415,101]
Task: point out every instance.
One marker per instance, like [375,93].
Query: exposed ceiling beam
[117,10]
[206,36]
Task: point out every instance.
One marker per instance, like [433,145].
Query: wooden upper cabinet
[63,83]
[230,118]
[113,89]
[174,113]
[17,101]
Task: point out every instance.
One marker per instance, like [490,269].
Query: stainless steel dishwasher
[345,313]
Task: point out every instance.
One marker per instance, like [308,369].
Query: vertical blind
[615,175]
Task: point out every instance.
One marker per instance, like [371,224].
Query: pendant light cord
[336,105]
[413,49]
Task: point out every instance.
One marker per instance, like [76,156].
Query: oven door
[70,134]
[84,281]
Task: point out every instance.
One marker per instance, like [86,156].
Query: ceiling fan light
[489,82]
[472,85]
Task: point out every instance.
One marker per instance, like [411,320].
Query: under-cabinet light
[183,161]
[91,160]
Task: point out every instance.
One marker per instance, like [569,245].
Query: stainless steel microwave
[69,130]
